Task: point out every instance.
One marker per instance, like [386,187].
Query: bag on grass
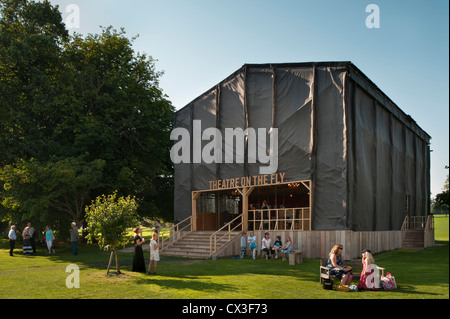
[388,282]
[342,287]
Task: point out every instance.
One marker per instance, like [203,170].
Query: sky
[198,43]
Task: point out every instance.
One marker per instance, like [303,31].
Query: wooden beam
[195,195]
[306,185]
[245,209]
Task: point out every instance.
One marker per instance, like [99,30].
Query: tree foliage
[441,201]
[80,116]
[109,217]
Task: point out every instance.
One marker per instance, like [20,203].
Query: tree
[33,79]
[69,103]
[122,116]
[441,200]
[108,218]
[54,191]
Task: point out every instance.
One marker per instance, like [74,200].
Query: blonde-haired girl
[367,260]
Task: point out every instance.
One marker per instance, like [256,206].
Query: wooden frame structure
[298,218]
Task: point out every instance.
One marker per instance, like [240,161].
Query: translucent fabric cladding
[335,127]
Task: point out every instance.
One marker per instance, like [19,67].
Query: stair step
[414,239]
[196,244]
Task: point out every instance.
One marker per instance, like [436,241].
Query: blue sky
[198,43]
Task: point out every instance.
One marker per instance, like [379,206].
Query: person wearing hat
[367,261]
[74,236]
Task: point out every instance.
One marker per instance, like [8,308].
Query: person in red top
[367,278]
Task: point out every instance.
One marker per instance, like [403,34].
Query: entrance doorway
[216,208]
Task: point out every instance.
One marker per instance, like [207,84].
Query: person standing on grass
[157,226]
[32,235]
[154,253]
[74,236]
[138,254]
[252,243]
[49,239]
[243,244]
[12,239]
[27,249]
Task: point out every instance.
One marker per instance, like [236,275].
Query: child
[286,249]
[243,245]
[49,238]
[154,253]
[366,280]
[252,242]
[277,246]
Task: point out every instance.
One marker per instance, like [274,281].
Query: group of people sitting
[271,250]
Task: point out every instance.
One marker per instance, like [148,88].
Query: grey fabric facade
[368,161]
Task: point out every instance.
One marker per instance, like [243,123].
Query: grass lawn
[441,227]
[420,274]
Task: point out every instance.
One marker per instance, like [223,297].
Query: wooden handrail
[173,237]
[284,218]
[405,225]
[430,222]
[228,233]
[417,222]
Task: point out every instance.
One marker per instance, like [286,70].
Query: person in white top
[12,239]
[266,245]
[154,253]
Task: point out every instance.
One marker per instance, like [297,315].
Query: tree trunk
[116,254]
[117,261]
[109,264]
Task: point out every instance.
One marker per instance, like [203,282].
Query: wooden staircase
[414,239]
[195,244]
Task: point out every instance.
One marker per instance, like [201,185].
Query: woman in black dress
[138,254]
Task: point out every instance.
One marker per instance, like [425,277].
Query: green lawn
[441,227]
[420,274]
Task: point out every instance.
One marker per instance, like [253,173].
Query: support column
[195,195]
[244,209]
[246,191]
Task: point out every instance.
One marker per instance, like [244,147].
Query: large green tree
[441,201]
[86,109]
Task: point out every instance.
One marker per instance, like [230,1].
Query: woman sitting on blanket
[336,264]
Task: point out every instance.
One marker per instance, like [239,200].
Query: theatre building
[313,151]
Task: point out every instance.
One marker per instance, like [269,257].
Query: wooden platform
[318,243]
[312,244]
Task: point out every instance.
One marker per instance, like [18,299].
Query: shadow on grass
[186,283]
[411,290]
[411,269]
